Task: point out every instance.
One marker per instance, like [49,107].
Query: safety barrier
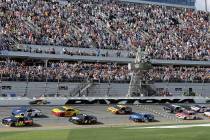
[52,101]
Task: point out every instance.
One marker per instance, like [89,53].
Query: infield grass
[119,133]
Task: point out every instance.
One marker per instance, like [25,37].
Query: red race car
[187,115]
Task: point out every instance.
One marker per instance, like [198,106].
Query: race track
[48,121]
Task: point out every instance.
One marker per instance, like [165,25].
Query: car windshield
[148,115]
[80,115]
[24,108]
[117,107]
[13,118]
[136,114]
[20,109]
[61,108]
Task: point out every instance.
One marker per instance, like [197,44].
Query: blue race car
[27,111]
[83,119]
[17,121]
[142,117]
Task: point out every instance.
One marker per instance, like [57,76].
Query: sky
[200,5]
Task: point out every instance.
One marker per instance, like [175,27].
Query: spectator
[163,32]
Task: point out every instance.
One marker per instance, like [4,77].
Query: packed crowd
[163,32]
[64,72]
[100,72]
[179,74]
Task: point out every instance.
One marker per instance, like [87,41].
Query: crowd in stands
[64,72]
[179,74]
[101,72]
[163,32]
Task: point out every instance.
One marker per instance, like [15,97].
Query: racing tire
[89,122]
[36,115]
[185,118]
[30,124]
[12,125]
[77,122]
[93,122]
[194,118]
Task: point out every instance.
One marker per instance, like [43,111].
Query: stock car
[199,108]
[141,117]
[120,109]
[27,111]
[83,119]
[187,115]
[207,113]
[170,108]
[65,111]
[17,121]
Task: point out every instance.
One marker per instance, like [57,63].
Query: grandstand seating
[168,33]
[103,35]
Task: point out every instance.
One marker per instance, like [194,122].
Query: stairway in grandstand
[137,87]
[81,89]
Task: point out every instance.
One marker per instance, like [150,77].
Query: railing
[13,54]
[77,91]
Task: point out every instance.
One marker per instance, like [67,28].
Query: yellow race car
[65,111]
[120,109]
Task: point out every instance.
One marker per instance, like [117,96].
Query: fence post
[1,84]
[26,89]
[58,84]
[46,79]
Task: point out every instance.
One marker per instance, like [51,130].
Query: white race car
[198,108]
[207,113]
[27,111]
[187,115]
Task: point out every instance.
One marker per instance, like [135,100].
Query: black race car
[170,108]
[83,119]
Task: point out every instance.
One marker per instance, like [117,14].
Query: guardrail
[122,60]
[18,101]
[43,56]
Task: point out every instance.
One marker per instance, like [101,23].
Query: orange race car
[65,111]
[120,109]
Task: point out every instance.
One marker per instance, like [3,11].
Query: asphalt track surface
[48,121]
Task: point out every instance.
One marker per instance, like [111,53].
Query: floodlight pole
[206,8]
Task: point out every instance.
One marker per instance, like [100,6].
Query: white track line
[173,126]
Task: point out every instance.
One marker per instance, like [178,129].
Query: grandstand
[84,48]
